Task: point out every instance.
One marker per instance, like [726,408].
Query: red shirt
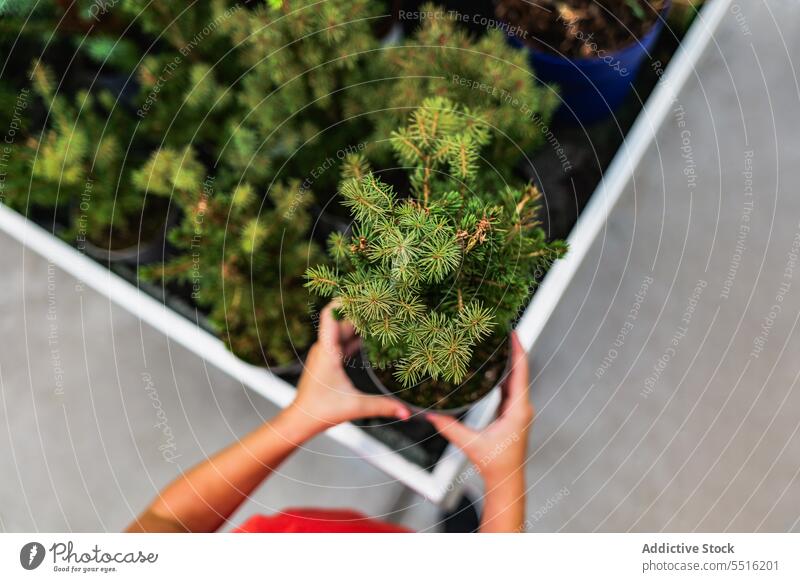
[301,520]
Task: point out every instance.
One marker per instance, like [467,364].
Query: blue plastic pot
[591,89]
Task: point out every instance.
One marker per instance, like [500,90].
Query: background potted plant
[81,162]
[432,279]
[591,49]
[83,135]
[319,84]
[240,257]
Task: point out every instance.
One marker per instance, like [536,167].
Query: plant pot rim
[456,411]
[633,46]
[296,366]
[142,251]
[126,254]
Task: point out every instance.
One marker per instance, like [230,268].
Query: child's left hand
[325,394]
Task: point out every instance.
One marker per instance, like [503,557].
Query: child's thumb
[452,429]
[384,406]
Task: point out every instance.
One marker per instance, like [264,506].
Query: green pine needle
[375,299]
[338,247]
[322,280]
[476,320]
[453,354]
[368,199]
[441,255]
[386,330]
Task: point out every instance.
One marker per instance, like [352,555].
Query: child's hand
[325,394]
[499,449]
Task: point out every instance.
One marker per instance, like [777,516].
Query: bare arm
[203,498]
[504,504]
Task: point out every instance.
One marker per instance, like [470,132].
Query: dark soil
[580,28]
[488,362]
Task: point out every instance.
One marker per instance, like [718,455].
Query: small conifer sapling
[432,279]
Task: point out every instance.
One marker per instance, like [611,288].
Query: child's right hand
[501,448]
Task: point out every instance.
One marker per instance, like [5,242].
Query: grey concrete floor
[656,408]
[687,421]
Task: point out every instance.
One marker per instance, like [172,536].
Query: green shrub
[241,260]
[429,276]
[82,161]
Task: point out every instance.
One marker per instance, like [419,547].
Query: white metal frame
[442,485]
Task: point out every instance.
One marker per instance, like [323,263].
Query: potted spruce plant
[80,166]
[591,49]
[433,278]
[240,257]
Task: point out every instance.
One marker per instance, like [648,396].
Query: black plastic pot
[456,412]
[325,223]
[142,254]
[146,252]
[414,439]
[292,370]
